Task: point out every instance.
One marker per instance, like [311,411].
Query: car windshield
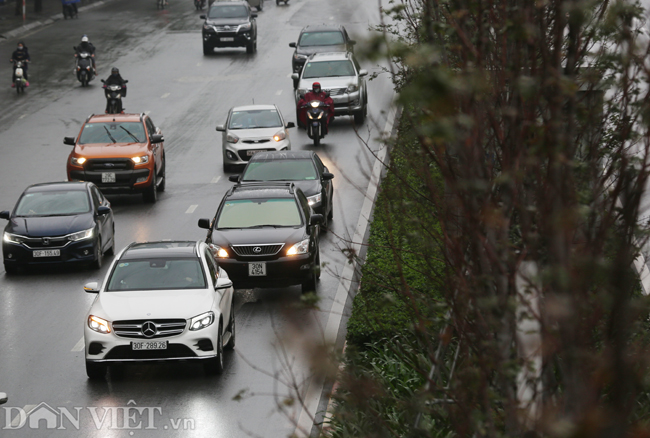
[252,119]
[228,11]
[157,274]
[252,213]
[280,170]
[113,132]
[328,69]
[308,39]
[53,203]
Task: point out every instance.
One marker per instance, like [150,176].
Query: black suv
[229,24]
[316,39]
[266,235]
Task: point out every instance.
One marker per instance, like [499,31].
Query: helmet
[84,39]
[316,87]
[115,71]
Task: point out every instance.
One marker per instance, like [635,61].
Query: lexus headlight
[202,321]
[299,248]
[244,27]
[352,88]
[98,324]
[13,238]
[77,161]
[230,138]
[314,199]
[218,251]
[140,160]
[81,235]
[279,136]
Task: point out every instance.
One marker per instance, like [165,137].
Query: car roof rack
[274,184]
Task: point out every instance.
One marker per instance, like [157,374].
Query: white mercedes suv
[160,301]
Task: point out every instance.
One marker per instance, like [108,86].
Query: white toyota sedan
[160,301]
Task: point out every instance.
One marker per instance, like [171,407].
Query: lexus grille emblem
[46,241]
[257,250]
[149,329]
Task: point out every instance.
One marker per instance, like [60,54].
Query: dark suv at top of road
[266,235]
[229,24]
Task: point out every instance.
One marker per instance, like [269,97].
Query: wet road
[187,95]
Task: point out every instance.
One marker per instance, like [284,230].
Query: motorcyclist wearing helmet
[20,54]
[88,47]
[115,79]
[316,93]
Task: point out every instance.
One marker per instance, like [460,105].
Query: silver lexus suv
[340,74]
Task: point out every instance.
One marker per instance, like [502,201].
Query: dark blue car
[62,222]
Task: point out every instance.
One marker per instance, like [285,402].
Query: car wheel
[97,264]
[330,215]
[360,116]
[215,365]
[111,249]
[151,193]
[161,185]
[325,225]
[309,285]
[250,47]
[231,328]
[259,7]
[95,371]
[317,265]
[11,269]
[207,49]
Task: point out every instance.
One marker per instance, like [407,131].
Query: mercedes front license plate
[149,345]
[257,269]
[108,177]
[47,253]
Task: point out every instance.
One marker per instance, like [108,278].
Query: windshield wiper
[109,134]
[137,140]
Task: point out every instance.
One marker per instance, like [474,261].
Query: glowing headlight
[230,138]
[218,251]
[13,238]
[202,321]
[314,199]
[279,136]
[352,88]
[81,235]
[299,248]
[77,161]
[140,160]
[98,324]
[314,103]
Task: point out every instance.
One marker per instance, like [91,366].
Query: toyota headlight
[245,27]
[352,88]
[13,238]
[202,321]
[77,161]
[314,199]
[140,160]
[280,135]
[299,248]
[98,324]
[81,235]
[231,138]
[218,251]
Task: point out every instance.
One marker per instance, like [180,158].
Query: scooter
[84,68]
[20,82]
[114,97]
[316,120]
[199,4]
[160,4]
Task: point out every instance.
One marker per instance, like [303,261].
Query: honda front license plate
[257,269]
[149,345]
[228,39]
[108,177]
[47,253]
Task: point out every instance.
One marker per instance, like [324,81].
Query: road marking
[191,209]
[79,345]
[215,179]
[21,418]
[279,92]
[315,388]
[165,96]
[23,116]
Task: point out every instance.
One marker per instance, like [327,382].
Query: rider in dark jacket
[115,79]
[20,54]
[88,47]
[316,93]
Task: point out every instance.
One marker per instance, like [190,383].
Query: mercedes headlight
[77,161]
[299,248]
[81,235]
[314,199]
[13,238]
[98,324]
[202,321]
[280,135]
[230,138]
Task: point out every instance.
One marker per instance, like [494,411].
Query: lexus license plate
[149,345]
[227,39]
[47,253]
[257,269]
[108,177]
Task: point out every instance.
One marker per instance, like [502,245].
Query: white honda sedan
[160,301]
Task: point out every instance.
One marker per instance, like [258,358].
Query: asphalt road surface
[187,94]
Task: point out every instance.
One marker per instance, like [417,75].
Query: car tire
[260,6]
[163,176]
[317,268]
[96,371]
[214,366]
[360,117]
[97,263]
[111,249]
[150,194]
[330,215]
[207,49]
[231,329]
[309,285]
[250,48]
[11,269]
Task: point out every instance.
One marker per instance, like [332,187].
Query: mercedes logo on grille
[46,241]
[257,250]
[149,329]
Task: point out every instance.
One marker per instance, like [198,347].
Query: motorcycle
[113,94]
[84,68]
[70,11]
[160,4]
[316,120]
[199,4]
[19,82]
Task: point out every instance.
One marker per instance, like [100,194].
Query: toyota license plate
[47,253]
[108,177]
[149,345]
[257,269]
[227,39]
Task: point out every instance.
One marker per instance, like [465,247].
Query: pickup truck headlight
[140,160]
[81,235]
[98,324]
[299,248]
[244,27]
[202,321]
[77,161]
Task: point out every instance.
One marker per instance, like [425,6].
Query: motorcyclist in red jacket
[316,93]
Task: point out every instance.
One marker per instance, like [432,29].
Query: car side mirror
[233,178]
[295,76]
[292,45]
[126,81]
[327,176]
[221,128]
[203,17]
[92,287]
[290,125]
[102,210]
[363,72]
[103,81]
[204,223]
[3,398]
[316,219]
[223,283]
[69,140]
[5,214]
[157,138]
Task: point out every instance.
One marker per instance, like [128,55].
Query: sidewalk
[12,25]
